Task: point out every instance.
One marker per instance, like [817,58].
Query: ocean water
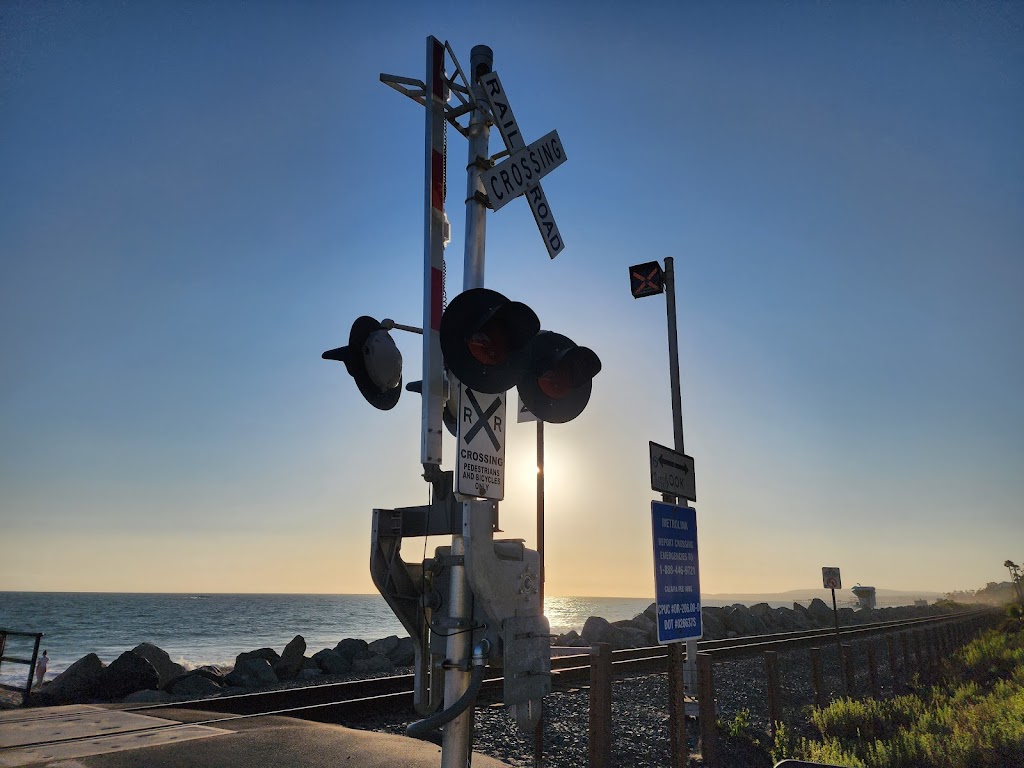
[214,628]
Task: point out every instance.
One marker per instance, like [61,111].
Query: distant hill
[884,596]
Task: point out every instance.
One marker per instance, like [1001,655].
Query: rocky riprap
[146,674]
[732,621]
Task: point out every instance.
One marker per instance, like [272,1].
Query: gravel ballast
[640,713]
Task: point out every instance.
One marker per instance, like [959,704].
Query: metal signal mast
[477,602]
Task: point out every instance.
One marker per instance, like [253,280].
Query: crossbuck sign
[526,165]
[480,467]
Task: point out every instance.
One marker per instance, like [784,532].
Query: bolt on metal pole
[455,751]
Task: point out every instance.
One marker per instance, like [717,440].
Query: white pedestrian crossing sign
[480,469]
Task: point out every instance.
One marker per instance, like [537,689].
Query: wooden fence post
[918,653]
[890,645]
[847,664]
[679,751]
[771,668]
[706,704]
[905,644]
[817,679]
[876,689]
[600,742]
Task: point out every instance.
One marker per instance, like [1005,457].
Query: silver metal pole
[455,751]
[456,738]
[481,62]
[432,394]
[690,666]
[673,353]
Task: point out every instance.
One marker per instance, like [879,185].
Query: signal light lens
[485,339]
[558,385]
[555,384]
[489,345]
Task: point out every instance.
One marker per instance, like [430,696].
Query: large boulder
[126,674]
[332,662]
[711,624]
[251,673]
[372,663]
[194,683]
[646,625]
[165,668]
[288,666]
[639,638]
[571,639]
[310,669]
[740,620]
[789,620]
[384,646]
[212,672]
[651,612]
[267,654]
[147,697]
[820,613]
[598,630]
[765,614]
[404,654]
[349,647]
[74,685]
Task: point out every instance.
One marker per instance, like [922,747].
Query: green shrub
[975,719]
[739,726]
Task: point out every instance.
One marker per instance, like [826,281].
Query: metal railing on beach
[27,689]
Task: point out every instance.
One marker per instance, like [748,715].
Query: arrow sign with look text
[672,472]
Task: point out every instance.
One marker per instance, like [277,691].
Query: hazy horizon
[804,590]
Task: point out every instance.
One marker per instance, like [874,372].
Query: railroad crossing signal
[558,380]
[485,339]
[646,279]
[373,360]
[492,344]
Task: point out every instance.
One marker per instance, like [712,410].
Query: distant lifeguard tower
[865,596]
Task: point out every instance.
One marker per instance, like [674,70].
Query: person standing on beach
[41,668]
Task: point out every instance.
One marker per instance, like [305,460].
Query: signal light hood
[375,363]
[558,382]
[485,339]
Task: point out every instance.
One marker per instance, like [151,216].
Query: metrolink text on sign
[511,177]
[676,572]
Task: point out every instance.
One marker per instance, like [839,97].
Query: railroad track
[352,701]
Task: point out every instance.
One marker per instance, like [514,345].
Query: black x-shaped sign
[483,420]
[646,279]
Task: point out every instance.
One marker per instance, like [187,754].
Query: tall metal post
[455,745]
[538,732]
[433,262]
[676,693]
[540,507]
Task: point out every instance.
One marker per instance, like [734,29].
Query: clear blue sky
[196,199]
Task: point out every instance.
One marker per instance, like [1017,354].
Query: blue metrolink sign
[676,572]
